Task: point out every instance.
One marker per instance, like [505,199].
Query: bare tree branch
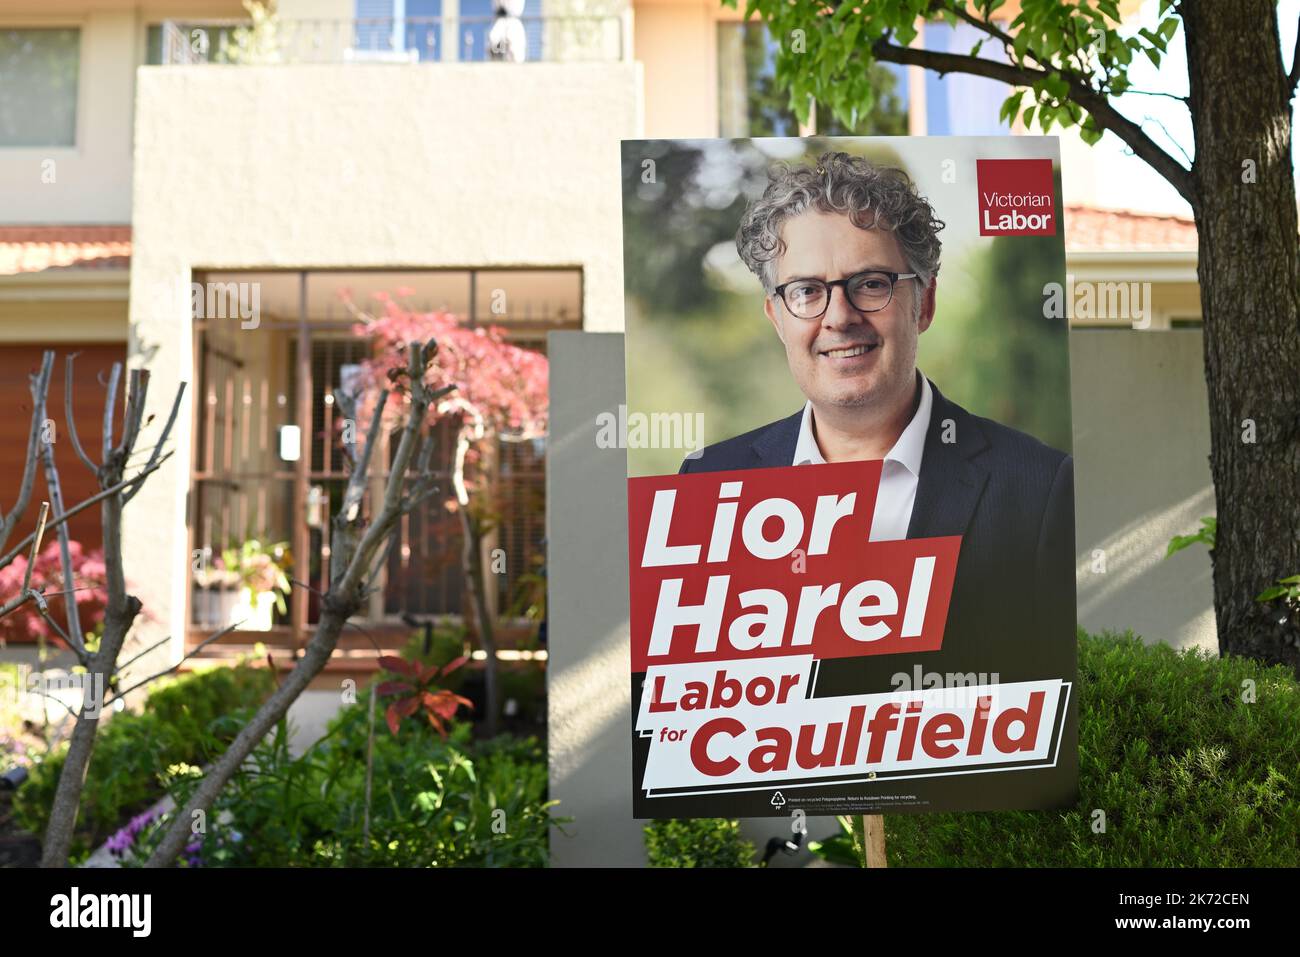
[381,561]
[77,648]
[40,387]
[119,668]
[82,506]
[1172,96]
[347,404]
[41,692]
[36,544]
[72,419]
[356,487]
[27,593]
[75,635]
[154,456]
[184,658]
[110,406]
[137,395]
[1157,121]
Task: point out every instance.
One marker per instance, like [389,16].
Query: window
[750,105]
[397,27]
[38,87]
[254,383]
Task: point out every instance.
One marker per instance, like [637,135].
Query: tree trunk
[1249,263]
[119,615]
[472,563]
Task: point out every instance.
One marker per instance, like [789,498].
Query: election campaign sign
[850,493]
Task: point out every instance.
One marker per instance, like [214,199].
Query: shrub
[524,683]
[1187,773]
[26,622]
[184,720]
[704,842]
[447,643]
[434,802]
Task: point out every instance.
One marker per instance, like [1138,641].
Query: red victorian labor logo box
[1016,197]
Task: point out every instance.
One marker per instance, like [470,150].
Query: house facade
[352,147]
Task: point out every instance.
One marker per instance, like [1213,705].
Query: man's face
[828,246]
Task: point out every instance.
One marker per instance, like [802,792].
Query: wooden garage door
[17,362]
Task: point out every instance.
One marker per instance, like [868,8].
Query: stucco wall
[357,166]
[1142,476]
[677,41]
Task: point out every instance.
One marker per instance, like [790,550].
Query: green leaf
[1268,594]
[1010,106]
[1179,542]
[1020,44]
[1168,28]
[851,33]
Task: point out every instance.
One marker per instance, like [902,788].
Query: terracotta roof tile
[28,249]
[1088,229]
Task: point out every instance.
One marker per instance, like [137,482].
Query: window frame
[378,621]
[78,26]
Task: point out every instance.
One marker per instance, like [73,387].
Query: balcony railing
[559,38]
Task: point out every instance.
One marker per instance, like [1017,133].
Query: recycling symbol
[778,800]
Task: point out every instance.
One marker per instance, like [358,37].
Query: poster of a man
[848,254]
[832,340]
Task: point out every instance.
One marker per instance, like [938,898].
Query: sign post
[873,839]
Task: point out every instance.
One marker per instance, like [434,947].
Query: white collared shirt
[899,475]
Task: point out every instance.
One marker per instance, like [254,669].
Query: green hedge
[707,842]
[1186,772]
[183,720]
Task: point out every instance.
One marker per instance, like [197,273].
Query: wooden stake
[873,839]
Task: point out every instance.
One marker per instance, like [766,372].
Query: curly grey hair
[872,196]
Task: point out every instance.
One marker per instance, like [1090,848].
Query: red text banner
[769,562]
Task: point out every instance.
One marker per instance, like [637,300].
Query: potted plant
[216,594]
[264,582]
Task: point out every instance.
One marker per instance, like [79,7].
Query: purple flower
[124,838]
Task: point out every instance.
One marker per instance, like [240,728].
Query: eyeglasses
[868,291]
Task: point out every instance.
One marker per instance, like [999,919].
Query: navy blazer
[1011,498]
